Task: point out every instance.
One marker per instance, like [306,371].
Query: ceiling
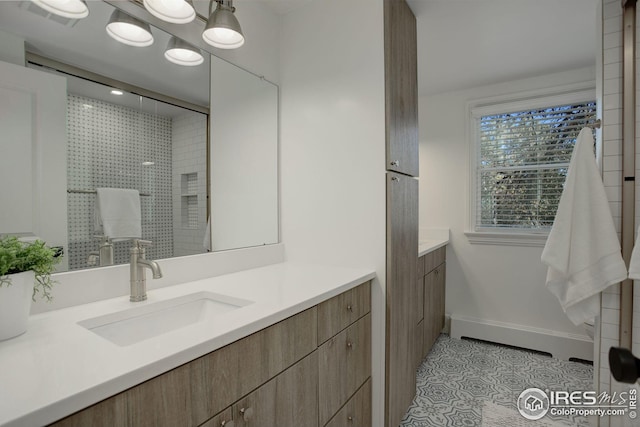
[469,43]
[280,7]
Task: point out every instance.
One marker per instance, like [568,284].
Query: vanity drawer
[357,411]
[108,413]
[344,365]
[342,310]
[220,378]
[434,259]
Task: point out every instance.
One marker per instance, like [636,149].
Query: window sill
[507,239]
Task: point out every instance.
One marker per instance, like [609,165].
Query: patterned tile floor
[458,376]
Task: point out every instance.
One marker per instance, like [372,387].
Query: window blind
[522,163]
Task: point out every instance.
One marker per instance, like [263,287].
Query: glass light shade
[73,9]
[223,29]
[129,30]
[175,11]
[182,53]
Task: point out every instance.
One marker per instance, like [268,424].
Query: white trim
[561,345]
[518,101]
[506,239]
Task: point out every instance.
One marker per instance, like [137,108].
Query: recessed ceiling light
[116,92]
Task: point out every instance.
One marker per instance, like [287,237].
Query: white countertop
[430,245]
[58,367]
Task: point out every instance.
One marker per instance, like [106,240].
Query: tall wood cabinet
[401,112]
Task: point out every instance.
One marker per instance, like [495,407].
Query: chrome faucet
[137,273]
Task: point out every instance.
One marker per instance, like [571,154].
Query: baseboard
[559,345]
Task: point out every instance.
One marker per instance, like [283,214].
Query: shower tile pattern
[459,378]
[107,145]
[189,183]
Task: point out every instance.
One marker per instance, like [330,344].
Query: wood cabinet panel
[221,377]
[108,413]
[434,259]
[223,419]
[434,305]
[342,310]
[401,88]
[401,277]
[162,401]
[357,411]
[345,363]
[289,399]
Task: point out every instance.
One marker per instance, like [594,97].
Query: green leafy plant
[17,256]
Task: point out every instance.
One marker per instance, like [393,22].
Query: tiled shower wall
[612,52]
[189,183]
[107,145]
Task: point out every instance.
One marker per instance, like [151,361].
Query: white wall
[260,53]
[332,146]
[11,48]
[487,282]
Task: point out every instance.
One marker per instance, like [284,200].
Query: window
[522,156]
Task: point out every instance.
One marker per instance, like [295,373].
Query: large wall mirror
[199,144]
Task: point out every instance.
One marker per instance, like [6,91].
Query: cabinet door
[289,399]
[434,290]
[439,298]
[357,411]
[344,365]
[161,401]
[223,419]
[220,378]
[402,258]
[401,88]
[108,413]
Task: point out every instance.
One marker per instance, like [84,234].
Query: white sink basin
[137,324]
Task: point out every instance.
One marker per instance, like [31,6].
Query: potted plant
[25,271]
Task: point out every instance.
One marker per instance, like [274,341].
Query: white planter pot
[15,303]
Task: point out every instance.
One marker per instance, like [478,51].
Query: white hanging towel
[634,263]
[118,214]
[583,250]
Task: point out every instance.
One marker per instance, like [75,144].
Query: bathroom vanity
[296,351]
[429,306]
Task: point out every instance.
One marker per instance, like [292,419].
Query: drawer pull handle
[349,344]
[395,163]
[349,307]
[225,423]
[350,418]
[247,413]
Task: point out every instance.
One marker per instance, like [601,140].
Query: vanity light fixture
[116,92]
[72,9]
[182,53]
[129,30]
[223,29]
[174,11]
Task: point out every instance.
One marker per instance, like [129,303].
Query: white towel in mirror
[118,214]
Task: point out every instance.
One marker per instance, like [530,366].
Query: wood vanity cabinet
[432,278]
[279,376]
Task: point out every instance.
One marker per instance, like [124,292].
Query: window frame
[476,234]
